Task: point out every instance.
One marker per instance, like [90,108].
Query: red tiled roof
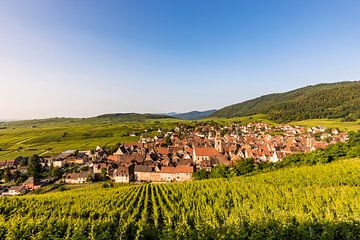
[163,150]
[114,157]
[178,169]
[206,151]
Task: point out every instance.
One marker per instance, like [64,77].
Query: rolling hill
[194,115]
[330,100]
[105,118]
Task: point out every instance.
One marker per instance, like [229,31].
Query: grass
[330,123]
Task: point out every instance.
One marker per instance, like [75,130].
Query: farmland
[330,123]
[25,138]
[308,202]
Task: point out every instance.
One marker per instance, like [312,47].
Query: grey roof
[142,168]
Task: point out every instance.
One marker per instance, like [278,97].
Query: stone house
[14,190]
[176,174]
[74,178]
[143,173]
[124,174]
[31,184]
[204,153]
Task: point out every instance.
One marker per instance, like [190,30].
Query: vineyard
[310,202]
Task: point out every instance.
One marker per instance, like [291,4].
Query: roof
[178,169]
[16,188]
[30,180]
[142,168]
[76,175]
[162,150]
[121,171]
[65,154]
[132,144]
[206,151]
[185,162]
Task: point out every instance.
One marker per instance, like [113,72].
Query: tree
[167,140]
[200,174]
[103,173]
[7,175]
[219,172]
[54,171]
[244,166]
[34,168]
[23,162]
[16,175]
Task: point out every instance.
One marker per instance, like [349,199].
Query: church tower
[218,143]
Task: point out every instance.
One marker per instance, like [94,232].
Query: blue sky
[84,58]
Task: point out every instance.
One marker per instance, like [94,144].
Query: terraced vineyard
[311,202]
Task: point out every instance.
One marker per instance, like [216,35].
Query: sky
[80,58]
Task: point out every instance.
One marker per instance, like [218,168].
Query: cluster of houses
[173,156]
[29,185]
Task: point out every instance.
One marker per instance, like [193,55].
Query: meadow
[307,202]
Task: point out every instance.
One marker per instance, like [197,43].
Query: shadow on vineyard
[307,202]
[245,230]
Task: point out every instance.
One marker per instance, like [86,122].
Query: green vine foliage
[301,202]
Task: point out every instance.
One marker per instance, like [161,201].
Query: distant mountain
[125,117]
[171,114]
[7,120]
[194,115]
[330,100]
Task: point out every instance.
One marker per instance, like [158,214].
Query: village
[170,156]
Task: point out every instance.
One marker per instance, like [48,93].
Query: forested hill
[331,100]
[194,115]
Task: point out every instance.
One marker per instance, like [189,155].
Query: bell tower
[218,143]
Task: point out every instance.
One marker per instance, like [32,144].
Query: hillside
[194,115]
[131,117]
[310,202]
[52,136]
[332,100]
[105,118]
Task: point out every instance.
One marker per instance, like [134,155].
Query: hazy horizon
[71,59]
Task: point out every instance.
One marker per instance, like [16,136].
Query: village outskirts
[171,156]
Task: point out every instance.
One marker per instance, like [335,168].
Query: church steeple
[218,142]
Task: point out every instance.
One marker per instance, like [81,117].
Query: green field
[52,136]
[331,123]
[48,138]
[309,202]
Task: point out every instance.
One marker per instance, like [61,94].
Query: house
[75,160]
[64,155]
[124,174]
[97,167]
[7,164]
[58,163]
[14,191]
[73,178]
[204,153]
[31,184]
[176,174]
[121,150]
[143,173]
